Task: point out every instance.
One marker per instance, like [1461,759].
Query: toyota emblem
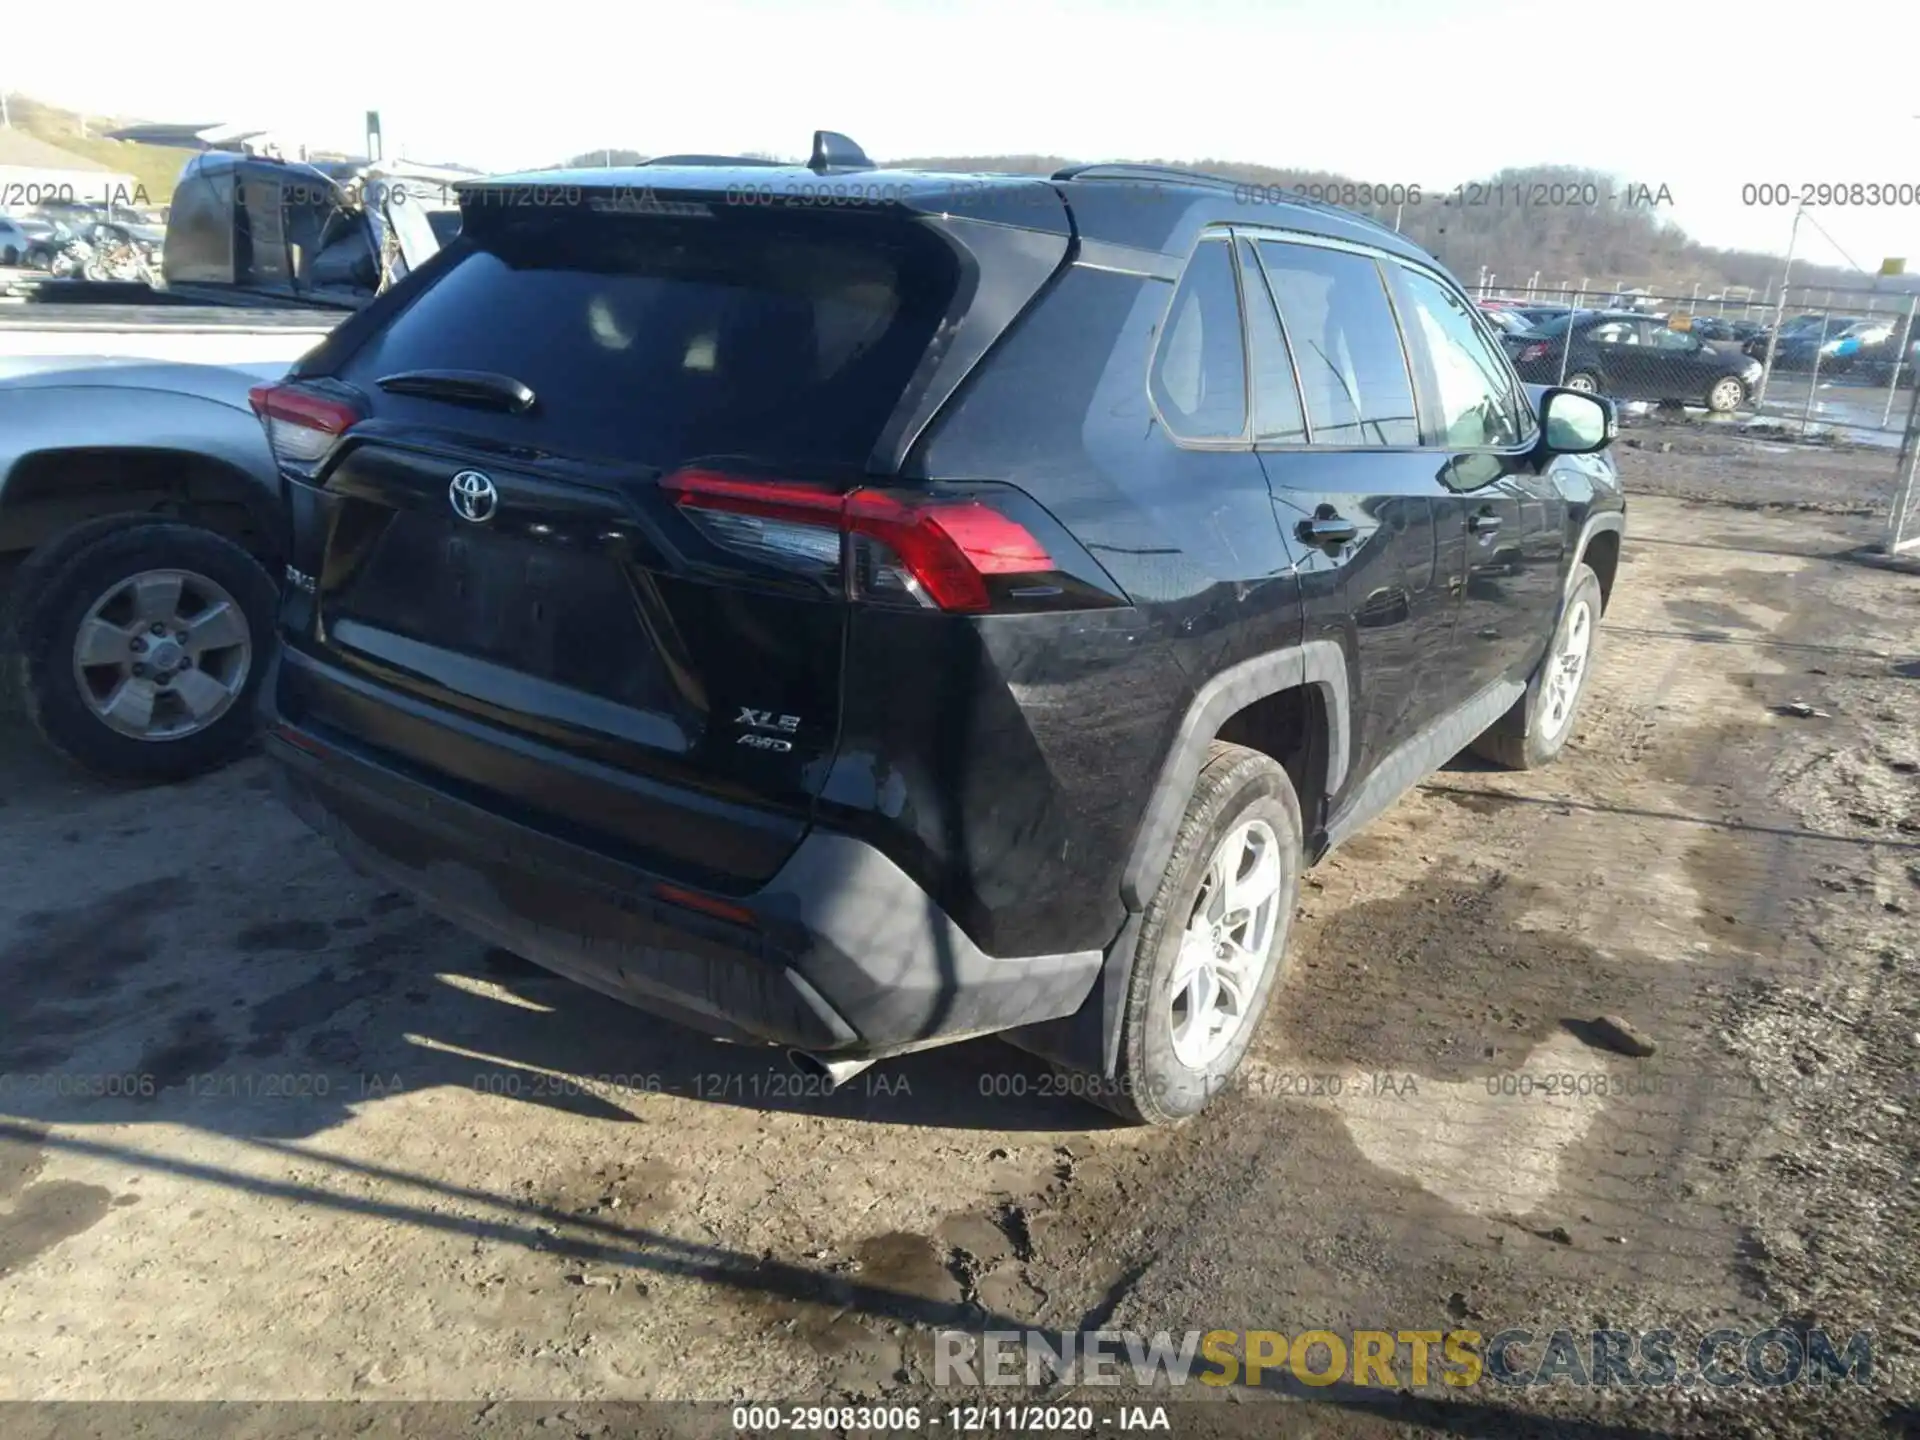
[473,496]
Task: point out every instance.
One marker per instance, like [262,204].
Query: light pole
[1779,310]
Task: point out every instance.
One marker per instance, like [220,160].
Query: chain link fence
[1806,363]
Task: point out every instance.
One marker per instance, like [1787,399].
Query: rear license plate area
[560,613]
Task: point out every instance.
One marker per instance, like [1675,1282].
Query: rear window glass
[662,340]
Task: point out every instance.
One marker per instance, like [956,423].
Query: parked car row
[80,244]
[1719,327]
[1840,343]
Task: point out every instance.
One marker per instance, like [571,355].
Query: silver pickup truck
[141,534]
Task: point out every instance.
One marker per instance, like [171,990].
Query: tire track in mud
[1653,857]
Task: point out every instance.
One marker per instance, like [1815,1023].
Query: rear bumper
[840,952]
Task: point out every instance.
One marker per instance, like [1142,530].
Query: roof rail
[1126,170]
[832,152]
[725,160]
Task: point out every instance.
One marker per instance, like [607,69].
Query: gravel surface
[379,1161]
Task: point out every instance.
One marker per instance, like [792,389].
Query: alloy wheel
[1567,671]
[1224,952]
[162,654]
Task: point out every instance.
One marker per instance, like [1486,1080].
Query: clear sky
[1700,98]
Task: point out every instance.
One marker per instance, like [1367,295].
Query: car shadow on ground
[275,992]
[609,1245]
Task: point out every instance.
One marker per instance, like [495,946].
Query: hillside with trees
[154,168]
[1628,239]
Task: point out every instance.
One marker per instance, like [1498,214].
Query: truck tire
[1205,967]
[138,648]
[1536,729]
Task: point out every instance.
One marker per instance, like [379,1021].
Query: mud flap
[1088,1040]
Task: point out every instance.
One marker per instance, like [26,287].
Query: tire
[187,728]
[1726,394]
[1239,793]
[1583,380]
[1534,732]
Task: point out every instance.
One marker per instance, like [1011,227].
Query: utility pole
[1779,311]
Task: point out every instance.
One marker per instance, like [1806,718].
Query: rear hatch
[556,545]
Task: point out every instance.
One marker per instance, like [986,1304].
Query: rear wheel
[1212,943]
[139,652]
[1584,381]
[1536,730]
[1726,394]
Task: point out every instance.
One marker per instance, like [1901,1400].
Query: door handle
[1328,530]
[1484,523]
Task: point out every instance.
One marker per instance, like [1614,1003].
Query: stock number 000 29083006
[1816,193]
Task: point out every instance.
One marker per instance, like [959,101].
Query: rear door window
[1278,417]
[1353,371]
[1199,374]
[660,340]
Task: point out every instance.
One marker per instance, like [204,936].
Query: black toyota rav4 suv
[852,610]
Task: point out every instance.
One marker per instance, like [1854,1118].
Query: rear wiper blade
[483,388]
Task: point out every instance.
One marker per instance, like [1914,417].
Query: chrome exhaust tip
[835,1072]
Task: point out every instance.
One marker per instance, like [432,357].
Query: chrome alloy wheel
[1224,951]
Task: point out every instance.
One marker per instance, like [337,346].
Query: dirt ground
[366,1158]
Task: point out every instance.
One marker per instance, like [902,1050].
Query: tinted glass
[1277,414]
[1353,372]
[659,340]
[1615,332]
[1199,375]
[1477,406]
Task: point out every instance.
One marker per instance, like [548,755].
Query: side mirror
[1573,422]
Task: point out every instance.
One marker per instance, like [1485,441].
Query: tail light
[968,553]
[302,422]
[1536,351]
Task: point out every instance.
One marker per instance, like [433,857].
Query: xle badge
[758,720]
